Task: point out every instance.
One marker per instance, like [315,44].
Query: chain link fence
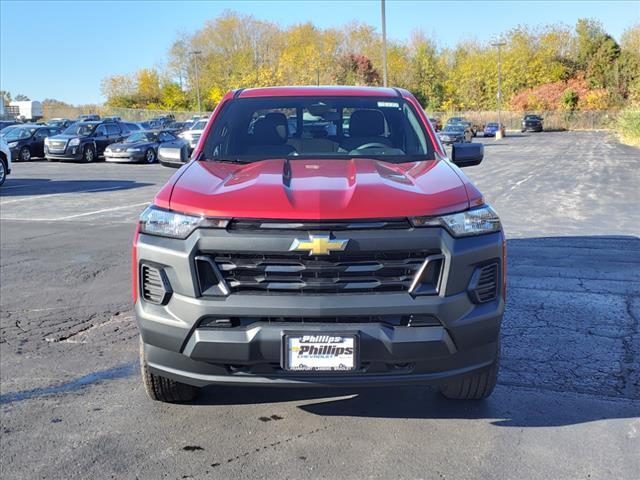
[553,120]
[130,114]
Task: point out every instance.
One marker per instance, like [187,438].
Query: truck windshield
[253,129]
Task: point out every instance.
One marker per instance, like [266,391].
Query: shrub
[629,126]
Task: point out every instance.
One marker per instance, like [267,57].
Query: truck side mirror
[467,154]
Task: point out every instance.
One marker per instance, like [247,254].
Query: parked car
[5,160]
[83,141]
[193,133]
[455,133]
[90,117]
[475,128]
[162,121]
[7,123]
[437,123]
[493,127]
[174,154]
[140,146]
[61,123]
[27,141]
[261,265]
[178,127]
[131,127]
[532,123]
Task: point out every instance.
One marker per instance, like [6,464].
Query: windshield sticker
[388,105]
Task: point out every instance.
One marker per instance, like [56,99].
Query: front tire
[162,389]
[3,171]
[473,387]
[25,154]
[88,154]
[150,156]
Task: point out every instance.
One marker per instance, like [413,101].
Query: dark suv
[83,141]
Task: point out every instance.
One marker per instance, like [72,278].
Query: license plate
[320,353]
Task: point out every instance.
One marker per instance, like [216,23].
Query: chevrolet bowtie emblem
[318,245]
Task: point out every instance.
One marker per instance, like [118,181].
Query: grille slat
[486,286]
[338,272]
[310,225]
[154,288]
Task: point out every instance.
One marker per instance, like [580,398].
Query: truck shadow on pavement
[23,187]
[570,346]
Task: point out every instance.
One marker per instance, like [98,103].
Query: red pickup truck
[320,236]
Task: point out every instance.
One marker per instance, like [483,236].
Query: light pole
[195,54]
[499,45]
[384,45]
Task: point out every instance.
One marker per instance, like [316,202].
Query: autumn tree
[553,66]
[353,69]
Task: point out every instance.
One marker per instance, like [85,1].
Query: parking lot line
[68,217]
[36,197]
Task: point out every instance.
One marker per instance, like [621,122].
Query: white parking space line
[70,217]
[36,197]
[101,211]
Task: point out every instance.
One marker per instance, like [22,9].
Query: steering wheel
[371,145]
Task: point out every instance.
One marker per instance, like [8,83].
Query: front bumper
[463,339]
[452,140]
[70,153]
[123,157]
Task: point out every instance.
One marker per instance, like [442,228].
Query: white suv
[5,160]
[193,133]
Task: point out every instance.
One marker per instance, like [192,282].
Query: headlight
[46,141]
[134,149]
[472,222]
[74,141]
[12,144]
[166,223]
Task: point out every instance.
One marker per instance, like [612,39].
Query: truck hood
[318,189]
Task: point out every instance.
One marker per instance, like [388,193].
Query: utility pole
[195,54]
[499,45]
[384,45]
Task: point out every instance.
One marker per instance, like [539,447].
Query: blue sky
[63,49]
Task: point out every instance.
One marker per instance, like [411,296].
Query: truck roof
[319,91]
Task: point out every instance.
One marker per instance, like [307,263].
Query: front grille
[484,284]
[310,225]
[336,273]
[155,286]
[415,320]
[57,145]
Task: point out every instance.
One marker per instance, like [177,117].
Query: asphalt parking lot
[568,400]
